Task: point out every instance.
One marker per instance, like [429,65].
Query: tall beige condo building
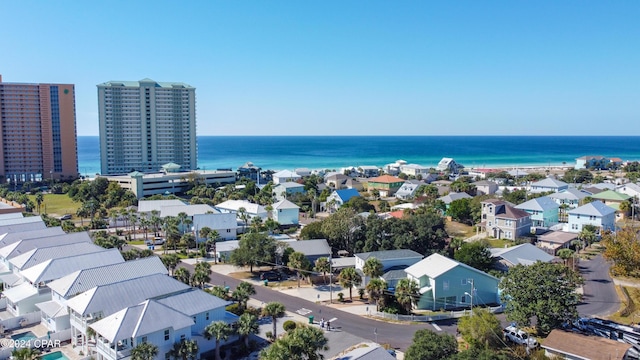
[38,132]
[146,124]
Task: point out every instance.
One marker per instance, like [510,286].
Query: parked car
[155,241]
[271,276]
[65,217]
[518,336]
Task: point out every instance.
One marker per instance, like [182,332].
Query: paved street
[600,297]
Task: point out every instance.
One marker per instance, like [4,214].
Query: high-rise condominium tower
[38,132]
[146,124]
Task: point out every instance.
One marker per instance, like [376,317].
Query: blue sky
[347,67]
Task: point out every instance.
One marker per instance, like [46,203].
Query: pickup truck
[155,241]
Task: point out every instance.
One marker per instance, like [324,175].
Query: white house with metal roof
[147,322]
[285,212]
[10,238]
[445,283]
[147,206]
[408,189]
[22,299]
[414,169]
[42,254]
[104,300]
[26,225]
[189,209]
[595,213]
[225,224]
[548,184]
[569,198]
[312,249]
[543,210]
[284,176]
[251,209]
[391,260]
[286,189]
[631,189]
[55,314]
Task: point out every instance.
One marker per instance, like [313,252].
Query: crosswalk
[304,311]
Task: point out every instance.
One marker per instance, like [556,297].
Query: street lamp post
[330,281]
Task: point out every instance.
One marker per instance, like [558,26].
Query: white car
[517,336]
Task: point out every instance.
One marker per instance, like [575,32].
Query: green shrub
[234,309]
[340,297]
[289,325]
[361,293]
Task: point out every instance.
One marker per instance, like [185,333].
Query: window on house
[445,285]
[183,337]
[144,339]
[463,299]
[166,335]
[206,316]
[463,282]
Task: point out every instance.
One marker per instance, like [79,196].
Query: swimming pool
[25,336]
[57,355]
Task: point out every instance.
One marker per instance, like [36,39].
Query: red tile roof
[386,179]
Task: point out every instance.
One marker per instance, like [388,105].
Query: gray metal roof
[14,228]
[190,210]
[11,216]
[539,204]
[145,206]
[549,183]
[435,265]
[20,220]
[311,247]
[56,268]
[525,254]
[139,320]
[569,194]
[39,255]
[390,254]
[85,279]
[23,246]
[216,221]
[110,298]
[451,197]
[369,352]
[595,208]
[10,238]
[394,275]
[285,204]
[193,302]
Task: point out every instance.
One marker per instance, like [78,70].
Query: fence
[436,317]
[21,321]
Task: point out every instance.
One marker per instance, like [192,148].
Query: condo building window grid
[146,124]
[38,132]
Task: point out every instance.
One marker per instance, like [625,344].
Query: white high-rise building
[146,124]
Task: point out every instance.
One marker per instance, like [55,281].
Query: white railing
[434,317]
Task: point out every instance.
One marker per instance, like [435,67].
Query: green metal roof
[611,195]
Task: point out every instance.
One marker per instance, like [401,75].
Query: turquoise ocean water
[333,152]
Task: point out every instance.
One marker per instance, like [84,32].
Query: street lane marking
[436,326]
[304,311]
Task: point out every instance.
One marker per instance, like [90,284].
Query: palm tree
[144,351]
[171,261]
[274,310]
[183,275]
[185,350]
[299,263]
[301,343]
[212,240]
[372,268]
[323,266]
[144,224]
[247,325]
[376,288]
[407,293]
[219,291]
[242,214]
[39,200]
[182,217]
[218,330]
[349,278]
[25,353]
[587,236]
[241,294]
[565,255]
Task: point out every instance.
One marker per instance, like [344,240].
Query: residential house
[485,187]
[592,162]
[451,197]
[414,170]
[243,209]
[548,184]
[104,300]
[614,199]
[336,181]
[225,224]
[392,260]
[449,165]
[190,210]
[445,283]
[10,238]
[55,315]
[42,254]
[408,189]
[481,173]
[371,351]
[503,221]
[285,190]
[339,197]
[523,254]
[312,249]
[569,198]
[368,171]
[560,344]
[285,213]
[443,186]
[518,173]
[386,185]
[148,206]
[631,189]
[24,225]
[304,172]
[149,321]
[393,169]
[284,176]
[352,183]
[23,298]
[543,210]
[553,241]
[249,171]
[595,213]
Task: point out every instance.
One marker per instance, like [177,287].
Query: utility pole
[330,281]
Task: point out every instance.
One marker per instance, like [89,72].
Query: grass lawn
[457,229]
[499,243]
[630,309]
[57,204]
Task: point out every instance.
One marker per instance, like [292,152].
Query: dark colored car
[271,276]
